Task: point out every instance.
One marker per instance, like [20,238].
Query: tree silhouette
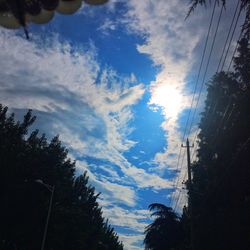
[221,173]
[76,220]
[165,231]
[221,189]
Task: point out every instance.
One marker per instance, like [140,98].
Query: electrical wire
[199,71]
[203,80]
[228,34]
[195,90]
[178,177]
[175,184]
[206,69]
[225,44]
[229,45]
[235,50]
[204,76]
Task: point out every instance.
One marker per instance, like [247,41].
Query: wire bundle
[226,47]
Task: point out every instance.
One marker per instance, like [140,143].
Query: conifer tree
[29,166]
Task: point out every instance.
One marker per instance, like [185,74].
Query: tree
[221,173]
[76,220]
[220,187]
[165,231]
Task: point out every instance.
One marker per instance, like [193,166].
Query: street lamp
[51,189]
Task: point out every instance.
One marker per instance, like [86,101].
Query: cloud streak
[170,44]
[88,106]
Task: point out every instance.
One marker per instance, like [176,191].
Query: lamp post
[51,189]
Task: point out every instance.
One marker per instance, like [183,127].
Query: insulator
[68,7]
[8,20]
[49,4]
[95,2]
[43,17]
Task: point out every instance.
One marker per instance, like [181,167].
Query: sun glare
[169,98]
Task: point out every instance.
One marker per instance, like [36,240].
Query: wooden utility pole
[190,186]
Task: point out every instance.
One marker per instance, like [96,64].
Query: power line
[225,117]
[231,25]
[229,45]
[204,76]
[175,184]
[228,34]
[203,80]
[206,69]
[196,85]
[229,103]
[236,47]
[218,100]
[178,178]
[199,71]
[195,90]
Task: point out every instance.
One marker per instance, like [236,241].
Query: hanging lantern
[9,21]
[33,7]
[43,17]
[68,7]
[49,4]
[95,2]
[16,13]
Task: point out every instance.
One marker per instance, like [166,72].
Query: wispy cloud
[107,26]
[88,106]
[170,43]
[133,220]
[134,241]
[91,107]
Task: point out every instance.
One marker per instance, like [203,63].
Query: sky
[116,83]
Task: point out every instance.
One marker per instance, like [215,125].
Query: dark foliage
[165,231]
[76,220]
[220,192]
[221,196]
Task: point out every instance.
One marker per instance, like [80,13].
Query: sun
[169,98]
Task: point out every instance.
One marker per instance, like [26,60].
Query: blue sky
[115,81]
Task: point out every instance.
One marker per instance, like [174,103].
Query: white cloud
[134,220]
[58,83]
[170,43]
[53,79]
[112,193]
[133,241]
[107,26]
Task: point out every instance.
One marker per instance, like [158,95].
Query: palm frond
[194,4]
[158,206]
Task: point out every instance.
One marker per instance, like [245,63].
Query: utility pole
[190,205]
